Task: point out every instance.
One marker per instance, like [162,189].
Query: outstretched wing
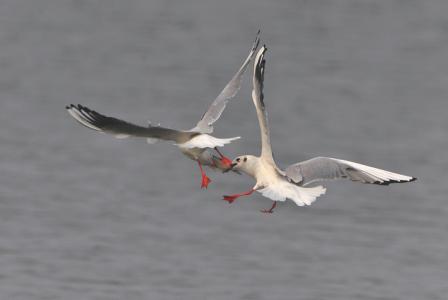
[326,168]
[231,89]
[122,129]
[258,99]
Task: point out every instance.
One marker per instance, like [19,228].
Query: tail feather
[206,141]
[300,195]
[222,142]
[306,196]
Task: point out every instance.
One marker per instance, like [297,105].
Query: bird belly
[192,153]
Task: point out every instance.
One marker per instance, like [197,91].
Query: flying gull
[196,143]
[292,183]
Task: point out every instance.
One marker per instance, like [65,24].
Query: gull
[195,143]
[292,183]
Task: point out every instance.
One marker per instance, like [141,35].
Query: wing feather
[258,99]
[326,168]
[217,107]
[122,129]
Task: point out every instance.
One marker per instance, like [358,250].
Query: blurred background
[86,216]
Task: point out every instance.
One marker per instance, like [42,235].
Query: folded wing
[326,168]
[230,90]
[122,129]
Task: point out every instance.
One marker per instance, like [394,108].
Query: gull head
[244,163]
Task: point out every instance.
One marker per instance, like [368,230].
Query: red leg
[224,160]
[271,210]
[231,198]
[205,179]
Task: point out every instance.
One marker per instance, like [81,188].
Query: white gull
[292,183]
[195,143]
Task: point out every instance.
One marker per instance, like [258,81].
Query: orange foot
[205,181]
[230,198]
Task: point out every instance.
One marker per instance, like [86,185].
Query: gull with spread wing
[292,183]
[196,143]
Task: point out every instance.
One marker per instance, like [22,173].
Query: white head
[245,163]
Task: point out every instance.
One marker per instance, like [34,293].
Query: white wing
[326,168]
[258,99]
[231,89]
[121,129]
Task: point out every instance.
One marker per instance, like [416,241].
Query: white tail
[206,141]
[306,196]
[300,195]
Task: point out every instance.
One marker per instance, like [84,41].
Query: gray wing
[258,99]
[326,168]
[122,129]
[231,89]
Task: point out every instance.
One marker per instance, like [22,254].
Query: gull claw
[269,211]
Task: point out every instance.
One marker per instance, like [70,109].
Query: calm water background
[86,216]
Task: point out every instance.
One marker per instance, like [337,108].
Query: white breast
[265,174]
[192,153]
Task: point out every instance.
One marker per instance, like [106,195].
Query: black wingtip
[256,41]
[85,109]
[394,181]
[385,182]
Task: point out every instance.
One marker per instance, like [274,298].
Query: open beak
[230,167]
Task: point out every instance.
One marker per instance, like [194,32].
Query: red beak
[226,162]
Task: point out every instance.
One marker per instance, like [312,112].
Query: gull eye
[245,159]
[238,159]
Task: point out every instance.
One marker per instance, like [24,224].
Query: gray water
[86,216]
